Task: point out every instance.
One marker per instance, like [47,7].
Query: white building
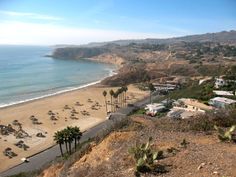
[185,108]
[220,82]
[154,108]
[223,93]
[222,102]
[166,87]
[189,104]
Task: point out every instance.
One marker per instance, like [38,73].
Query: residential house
[185,108]
[154,108]
[189,104]
[223,93]
[165,87]
[222,102]
[220,82]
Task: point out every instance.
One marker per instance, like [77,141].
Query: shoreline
[3,106]
[39,108]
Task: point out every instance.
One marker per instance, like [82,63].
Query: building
[222,102]
[154,108]
[176,113]
[189,104]
[220,82]
[223,93]
[185,108]
[165,87]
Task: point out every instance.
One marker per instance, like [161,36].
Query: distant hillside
[228,37]
[151,59]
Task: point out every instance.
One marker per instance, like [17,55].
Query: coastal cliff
[146,60]
[108,58]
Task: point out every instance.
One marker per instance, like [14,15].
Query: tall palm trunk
[75,143]
[106,103]
[111,104]
[61,149]
[70,147]
[66,146]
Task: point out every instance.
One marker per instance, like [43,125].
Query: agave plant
[225,135]
[144,156]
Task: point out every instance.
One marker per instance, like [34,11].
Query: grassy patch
[140,111]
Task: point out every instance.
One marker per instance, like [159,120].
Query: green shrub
[225,135]
[145,157]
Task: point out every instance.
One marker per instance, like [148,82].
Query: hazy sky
[48,22]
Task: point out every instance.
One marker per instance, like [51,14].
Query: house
[185,108]
[223,93]
[189,104]
[222,102]
[220,82]
[154,108]
[176,113]
[166,87]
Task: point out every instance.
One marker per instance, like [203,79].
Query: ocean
[25,74]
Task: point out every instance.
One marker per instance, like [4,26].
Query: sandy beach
[88,99]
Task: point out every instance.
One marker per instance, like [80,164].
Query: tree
[59,138]
[152,89]
[105,94]
[125,90]
[112,94]
[66,138]
[119,92]
[122,96]
[70,136]
[115,95]
[76,134]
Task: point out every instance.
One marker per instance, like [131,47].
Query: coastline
[39,109]
[112,73]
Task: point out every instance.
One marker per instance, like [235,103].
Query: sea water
[26,74]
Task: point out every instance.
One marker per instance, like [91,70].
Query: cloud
[30,15]
[50,34]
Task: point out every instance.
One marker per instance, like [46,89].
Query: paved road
[39,160]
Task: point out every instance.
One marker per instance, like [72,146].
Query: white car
[109,116]
[25,159]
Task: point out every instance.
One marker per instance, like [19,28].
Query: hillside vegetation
[153,59]
[186,151]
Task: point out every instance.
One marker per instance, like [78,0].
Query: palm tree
[125,90]
[116,94]
[123,96]
[105,94]
[58,137]
[77,135]
[70,136]
[152,89]
[112,94]
[65,138]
